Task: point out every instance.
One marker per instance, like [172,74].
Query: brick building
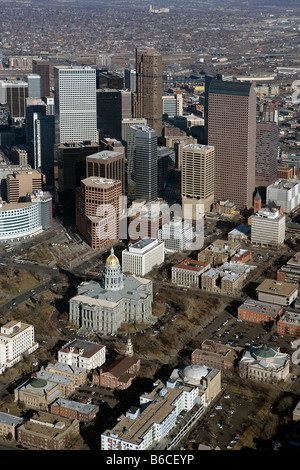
[259,312]
[289,324]
[216,356]
[188,272]
[72,409]
[47,432]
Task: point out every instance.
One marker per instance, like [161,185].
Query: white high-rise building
[16,338]
[75,104]
[268,228]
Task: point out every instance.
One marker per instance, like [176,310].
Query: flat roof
[271,286]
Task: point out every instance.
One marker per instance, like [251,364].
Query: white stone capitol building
[103,306]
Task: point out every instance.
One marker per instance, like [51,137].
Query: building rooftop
[271,286]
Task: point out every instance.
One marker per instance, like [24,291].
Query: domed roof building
[103,306]
[264,364]
[207,380]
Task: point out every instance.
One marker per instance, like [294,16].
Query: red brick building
[259,312]
[118,375]
[74,410]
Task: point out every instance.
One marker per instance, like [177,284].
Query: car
[228,447]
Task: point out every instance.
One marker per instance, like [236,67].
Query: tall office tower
[145,162]
[208,79]
[69,170]
[98,210]
[23,182]
[33,105]
[34,85]
[130,80]
[197,180]
[267,143]
[232,133]
[14,94]
[112,107]
[44,140]
[75,104]
[4,117]
[42,68]
[105,79]
[107,164]
[125,125]
[165,162]
[148,97]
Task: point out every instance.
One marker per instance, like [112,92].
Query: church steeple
[129,346]
[257,202]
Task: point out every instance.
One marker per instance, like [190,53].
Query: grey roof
[9,419]
[130,290]
[74,405]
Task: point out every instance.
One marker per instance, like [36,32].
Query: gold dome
[112,260]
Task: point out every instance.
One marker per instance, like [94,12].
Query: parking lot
[226,421]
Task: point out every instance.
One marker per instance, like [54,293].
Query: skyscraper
[112,107]
[34,85]
[42,68]
[33,105]
[197,179]
[107,164]
[267,143]
[44,139]
[232,133]
[145,163]
[14,94]
[98,210]
[75,104]
[148,97]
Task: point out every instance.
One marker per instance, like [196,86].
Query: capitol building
[103,306]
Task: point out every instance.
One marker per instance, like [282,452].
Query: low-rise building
[259,312]
[16,339]
[46,432]
[290,272]
[277,292]
[289,324]
[216,356]
[121,372]
[48,384]
[84,412]
[188,272]
[219,252]
[83,354]
[296,412]
[222,282]
[9,424]
[225,207]
[264,364]
[141,257]
[240,233]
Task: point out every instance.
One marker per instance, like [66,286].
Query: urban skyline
[149,227]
